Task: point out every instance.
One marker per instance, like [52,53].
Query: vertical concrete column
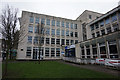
[98,50]
[56,51]
[43,52]
[107,49]
[49,52]
[31,52]
[91,51]
[85,51]
[78,51]
[111,25]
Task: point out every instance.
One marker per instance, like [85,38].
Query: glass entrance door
[35,52]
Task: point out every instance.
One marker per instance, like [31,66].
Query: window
[115,27]
[71,25]
[72,41]
[67,25]
[101,23]
[109,30]
[114,17]
[103,32]
[96,26]
[37,20]
[47,31]
[71,34]
[53,31]
[42,30]
[63,42]
[52,52]
[42,40]
[31,19]
[53,22]
[92,27]
[67,33]
[58,41]
[57,51]
[58,23]
[29,39]
[46,51]
[30,29]
[102,50]
[107,21]
[42,21]
[28,52]
[113,47]
[52,40]
[58,32]
[82,50]
[93,35]
[76,34]
[63,33]
[75,25]
[48,21]
[98,34]
[47,41]
[36,29]
[88,52]
[67,42]
[90,16]
[35,40]
[62,24]
[94,48]
[76,41]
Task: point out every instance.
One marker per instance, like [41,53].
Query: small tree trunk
[6,65]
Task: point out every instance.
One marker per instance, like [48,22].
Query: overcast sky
[70,9]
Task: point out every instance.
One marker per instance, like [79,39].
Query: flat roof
[49,15]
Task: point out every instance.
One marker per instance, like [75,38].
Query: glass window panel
[71,25]
[48,21]
[30,39]
[53,22]
[47,41]
[58,23]
[36,20]
[53,31]
[31,19]
[48,31]
[67,25]
[42,21]
[30,29]
[75,25]
[114,17]
[28,52]
[67,33]
[62,24]
[58,32]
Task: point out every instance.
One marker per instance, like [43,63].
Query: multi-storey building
[103,37]
[55,33]
[49,35]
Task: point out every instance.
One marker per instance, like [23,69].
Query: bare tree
[9,21]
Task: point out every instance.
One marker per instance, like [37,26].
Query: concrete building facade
[103,37]
[94,35]
[56,33]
